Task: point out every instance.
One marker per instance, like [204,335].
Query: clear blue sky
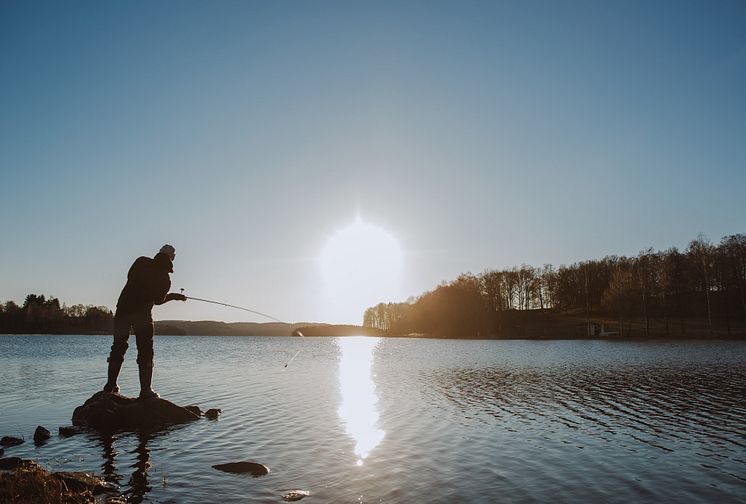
[478,134]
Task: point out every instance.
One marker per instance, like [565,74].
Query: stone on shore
[80,482]
[245,467]
[10,463]
[41,435]
[107,411]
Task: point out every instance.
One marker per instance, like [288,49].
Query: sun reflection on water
[358,407]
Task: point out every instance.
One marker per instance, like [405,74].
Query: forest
[42,315]
[694,292]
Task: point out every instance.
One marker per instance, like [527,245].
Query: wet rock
[80,482]
[10,463]
[70,430]
[194,409]
[106,411]
[295,495]
[213,413]
[41,435]
[245,467]
[10,441]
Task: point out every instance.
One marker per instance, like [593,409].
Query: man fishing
[148,283]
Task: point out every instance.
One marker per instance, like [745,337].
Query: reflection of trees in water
[660,406]
[139,484]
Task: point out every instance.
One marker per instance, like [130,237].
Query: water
[369,420]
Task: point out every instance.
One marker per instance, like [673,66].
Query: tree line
[672,293]
[40,314]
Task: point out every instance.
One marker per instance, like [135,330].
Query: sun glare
[361,266]
[359,407]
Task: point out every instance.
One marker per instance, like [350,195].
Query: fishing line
[295,332]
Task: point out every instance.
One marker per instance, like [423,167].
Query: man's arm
[174,296]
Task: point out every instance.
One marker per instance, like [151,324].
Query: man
[148,283]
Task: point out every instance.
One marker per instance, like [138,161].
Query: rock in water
[110,412]
[41,435]
[70,430]
[194,409]
[295,495]
[213,413]
[253,468]
[10,441]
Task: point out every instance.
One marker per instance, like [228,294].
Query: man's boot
[114,367]
[146,380]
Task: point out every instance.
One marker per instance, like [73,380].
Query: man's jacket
[147,284]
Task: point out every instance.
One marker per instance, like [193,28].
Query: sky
[251,135]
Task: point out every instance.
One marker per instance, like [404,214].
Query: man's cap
[169,250]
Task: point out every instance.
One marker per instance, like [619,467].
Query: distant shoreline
[522,326]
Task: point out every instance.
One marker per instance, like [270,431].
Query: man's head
[168,250]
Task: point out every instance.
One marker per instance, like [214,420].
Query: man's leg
[144,332]
[122,325]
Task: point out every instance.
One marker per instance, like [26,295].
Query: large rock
[111,412]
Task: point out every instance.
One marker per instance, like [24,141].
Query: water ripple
[464,421]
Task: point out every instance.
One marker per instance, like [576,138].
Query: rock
[80,481]
[295,495]
[10,441]
[213,413]
[2,450]
[70,430]
[107,411]
[41,435]
[194,409]
[10,463]
[253,468]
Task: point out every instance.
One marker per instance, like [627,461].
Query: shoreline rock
[107,411]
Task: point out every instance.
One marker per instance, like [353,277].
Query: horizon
[276,146]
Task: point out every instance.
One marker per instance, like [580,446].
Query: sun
[361,265]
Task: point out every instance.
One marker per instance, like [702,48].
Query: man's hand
[175,297]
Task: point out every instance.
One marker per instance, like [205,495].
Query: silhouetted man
[148,283]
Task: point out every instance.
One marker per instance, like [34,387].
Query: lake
[369,420]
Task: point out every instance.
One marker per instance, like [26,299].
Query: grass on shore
[32,484]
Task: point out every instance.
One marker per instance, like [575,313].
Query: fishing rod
[294,333]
